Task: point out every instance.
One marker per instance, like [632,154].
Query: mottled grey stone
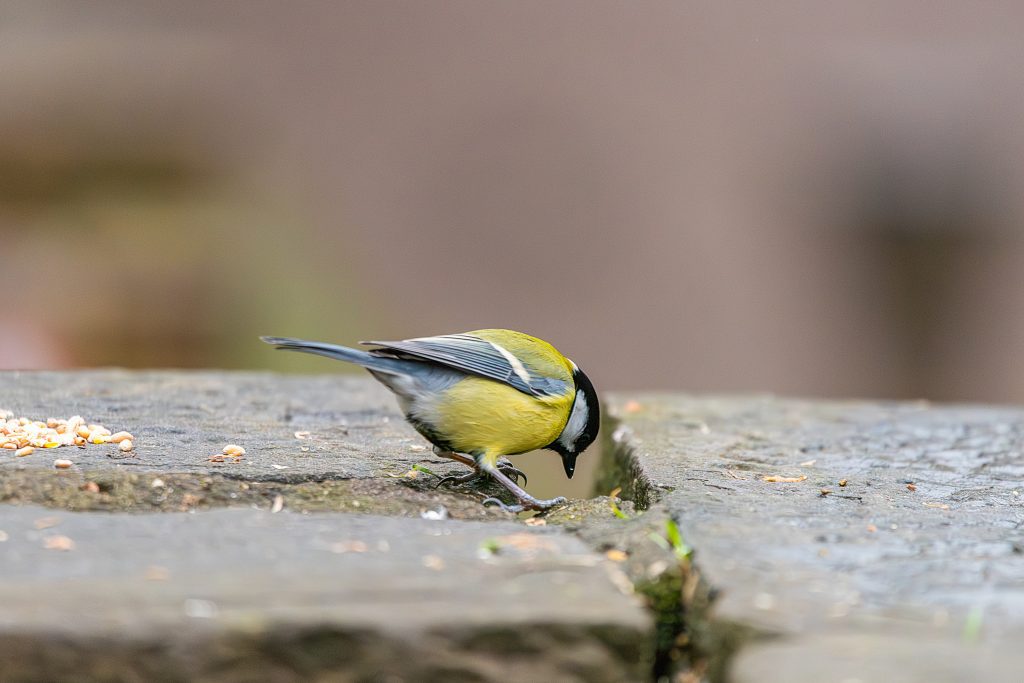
[827,569]
[180,418]
[247,595]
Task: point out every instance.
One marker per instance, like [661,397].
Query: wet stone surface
[832,541]
[338,443]
[892,539]
[322,556]
[247,595]
[351,426]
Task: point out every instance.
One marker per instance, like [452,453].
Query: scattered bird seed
[774,478]
[435,562]
[62,464]
[23,435]
[342,547]
[58,543]
[616,555]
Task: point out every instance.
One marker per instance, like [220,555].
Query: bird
[480,396]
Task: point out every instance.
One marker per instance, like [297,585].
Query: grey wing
[474,356]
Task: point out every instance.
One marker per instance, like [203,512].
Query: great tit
[483,394]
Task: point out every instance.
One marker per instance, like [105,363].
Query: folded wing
[475,356]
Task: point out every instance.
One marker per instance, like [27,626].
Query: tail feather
[337,352]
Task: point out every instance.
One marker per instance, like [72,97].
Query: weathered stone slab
[245,595]
[925,540]
[353,453]
[181,418]
[274,593]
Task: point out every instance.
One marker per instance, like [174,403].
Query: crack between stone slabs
[688,640]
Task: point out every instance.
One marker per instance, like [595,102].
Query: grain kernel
[121,436]
[126,445]
[233,450]
[62,464]
[22,452]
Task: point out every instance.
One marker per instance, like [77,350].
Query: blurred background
[808,198]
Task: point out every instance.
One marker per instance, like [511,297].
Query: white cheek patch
[577,422]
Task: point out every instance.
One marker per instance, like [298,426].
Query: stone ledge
[939,561]
[252,595]
[93,590]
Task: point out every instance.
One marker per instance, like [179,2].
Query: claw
[526,504]
[515,473]
[507,508]
[506,468]
[458,479]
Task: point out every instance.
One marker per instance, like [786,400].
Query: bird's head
[582,426]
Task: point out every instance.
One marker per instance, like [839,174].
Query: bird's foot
[526,503]
[458,480]
[504,465]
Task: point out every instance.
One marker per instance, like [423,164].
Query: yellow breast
[480,416]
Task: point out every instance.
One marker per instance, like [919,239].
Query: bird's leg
[504,464]
[457,457]
[526,501]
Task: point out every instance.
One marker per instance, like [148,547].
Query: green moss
[664,596]
[618,469]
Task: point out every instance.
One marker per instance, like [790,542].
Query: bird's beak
[569,463]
